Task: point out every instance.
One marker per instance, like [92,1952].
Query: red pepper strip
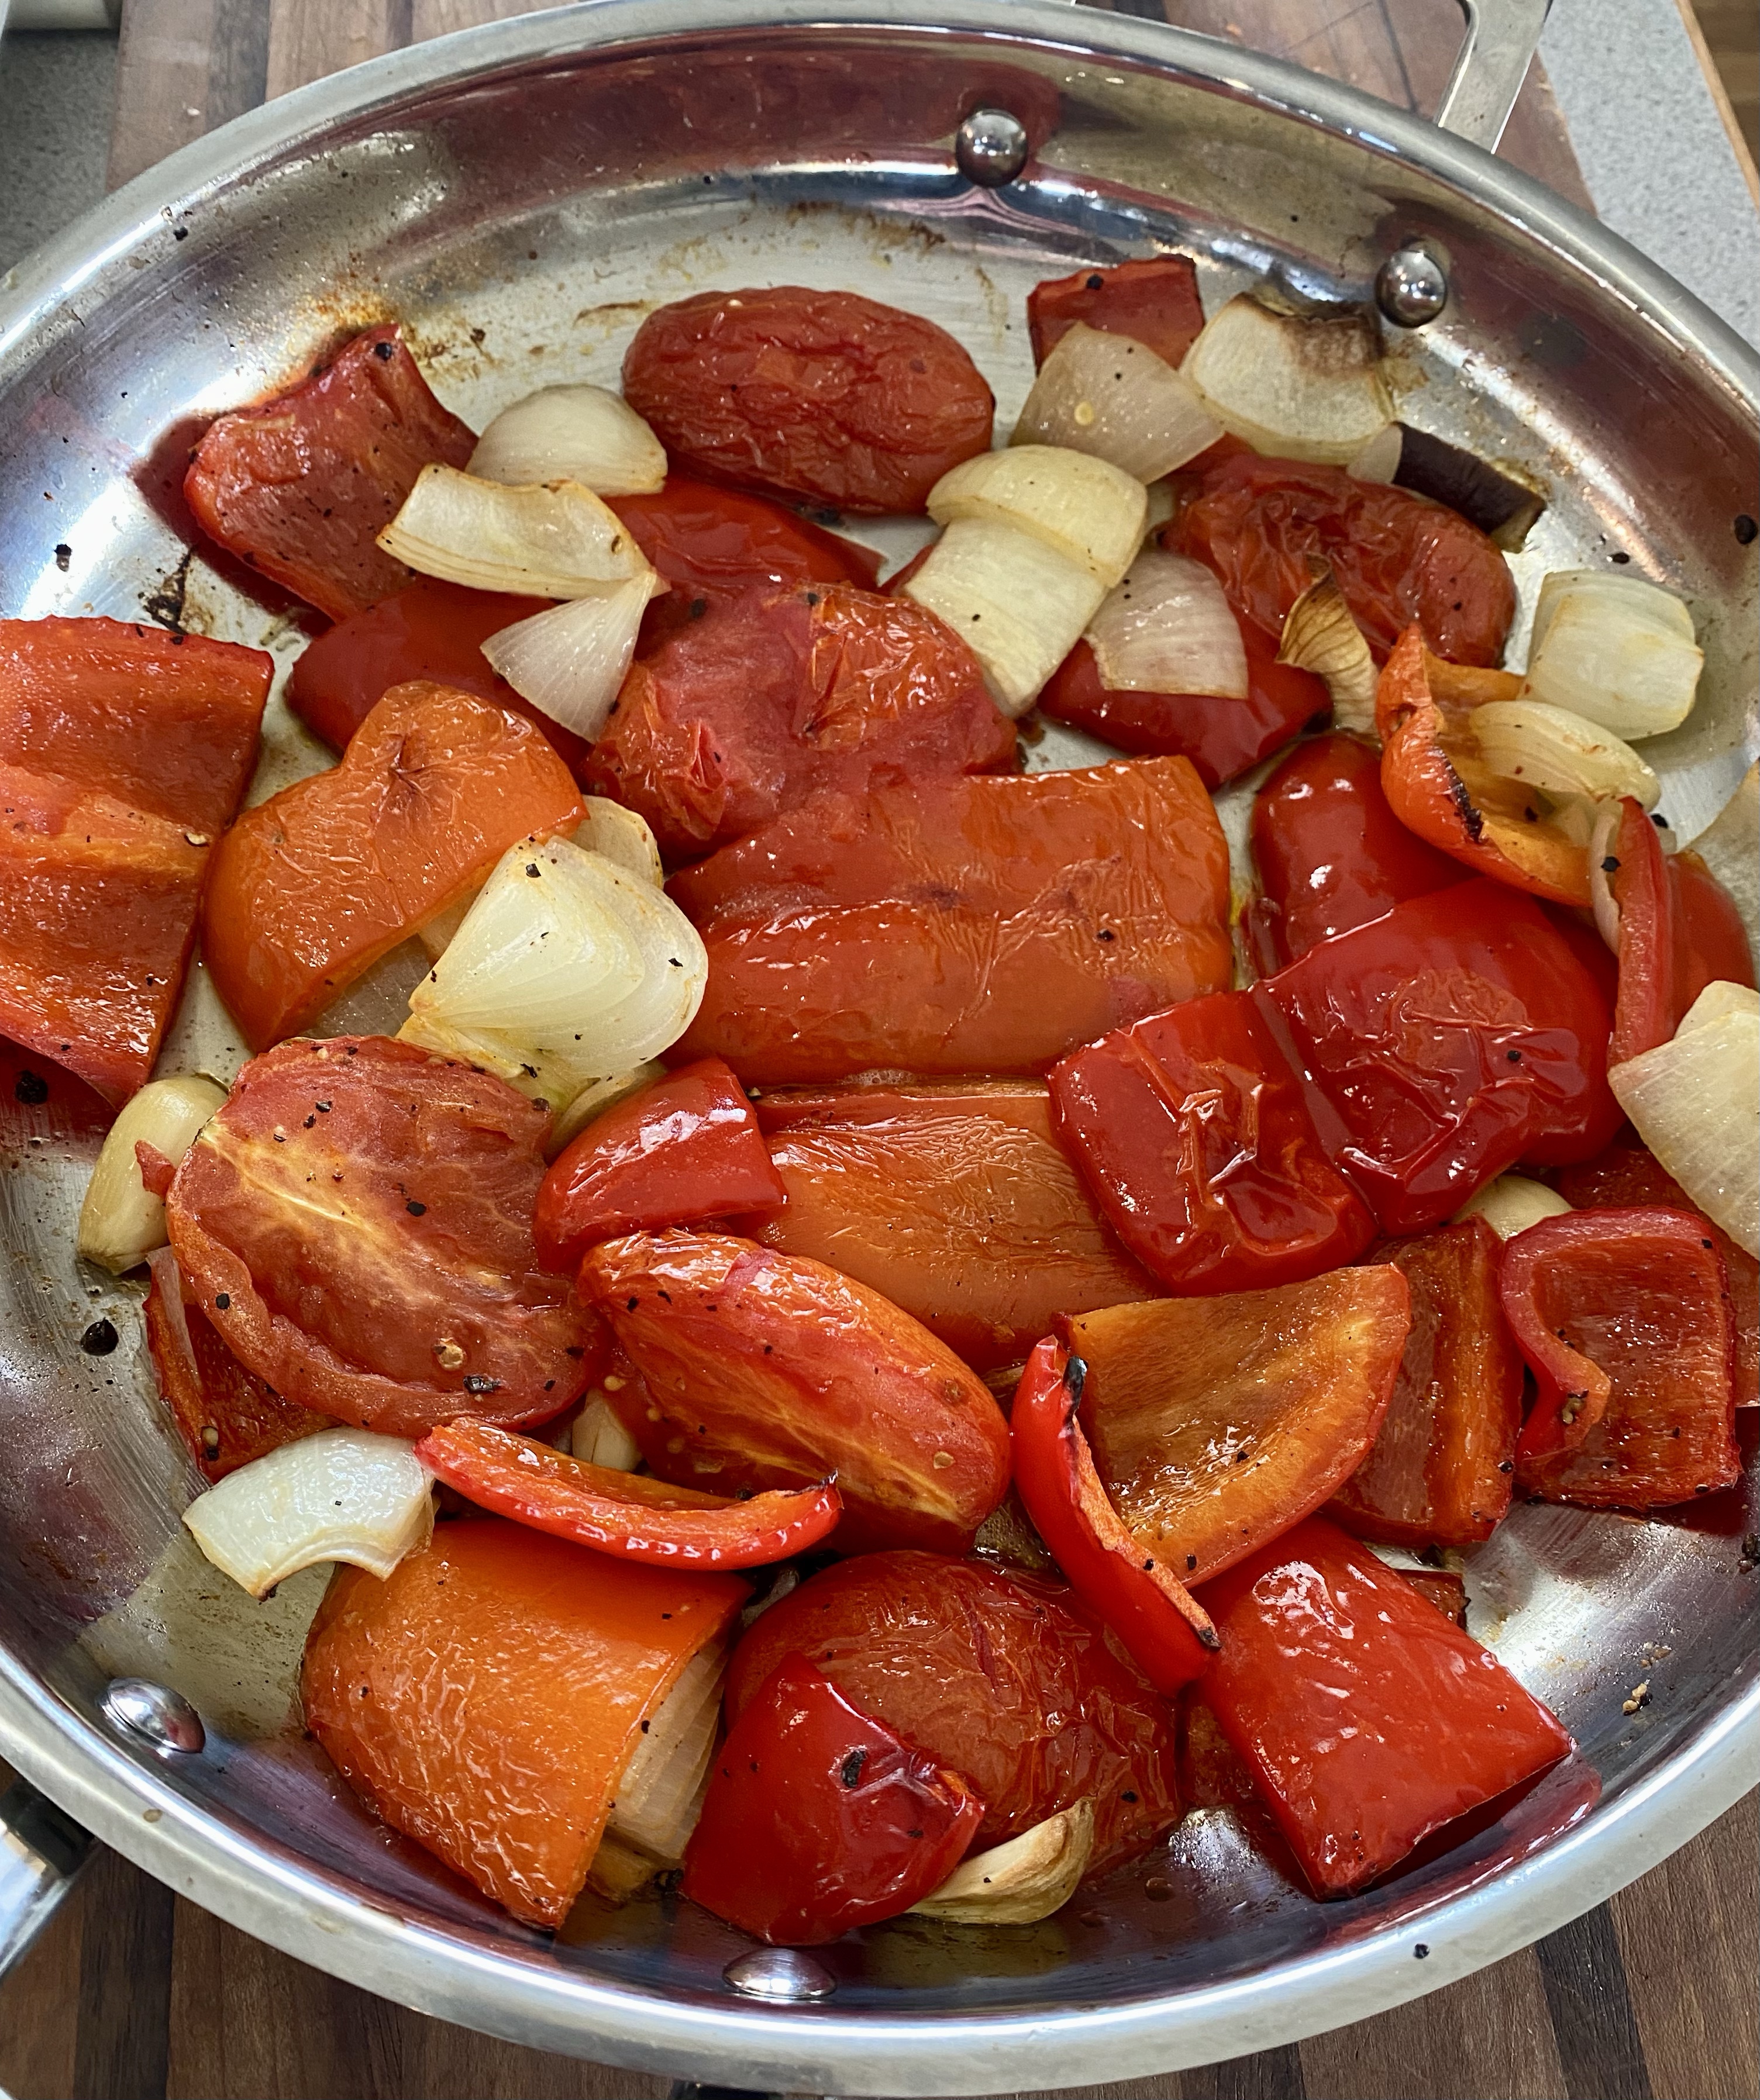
[1572,1395]
[1167,1632]
[1432,775]
[817,1818]
[1155,300]
[1647,1008]
[619,1513]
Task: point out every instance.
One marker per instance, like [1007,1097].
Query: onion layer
[583,434]
[570,660]
[1564,753]
[1021,1881]
[1510,1204]
[1615,649]
[597,1438]
[121,1221]
[661,1794]
[1320,635]
[1084,508]
[1168,628]
[1113,397]
[623,838]
[1298,386]
[554,541]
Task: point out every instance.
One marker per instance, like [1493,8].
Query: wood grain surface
[134,1994]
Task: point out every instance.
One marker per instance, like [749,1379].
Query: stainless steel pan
[517,194]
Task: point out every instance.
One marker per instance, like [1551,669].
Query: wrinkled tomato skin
[1628,1176]
[1449,1039]
[1398,558]
[486,1697]
[825,397]
[1196,1138]
[1001,1676]
[1713,940]
[301,486]
[817,1818]
[773,696]
[1640,1294]
[687,1148]
[1329,853]
[1443,1464]
[357,1220]
[1222,737]
[702,539]
[769,1370]
[431,630]
[1314,1625]
[1155,301]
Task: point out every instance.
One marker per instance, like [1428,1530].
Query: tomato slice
[686,1148]
[430,630]
[1313,1626]
[1450,1038]
[1195,1136]
[1443,1460]
[310,889]
[705,540]
[1329,853]
[226,1415]
[957,1201]
[357,1219]
[301,485]
[959,925]
[486,1697]
[620,1513]
[1399,559]
[772,696]
[824,396]
[817,1818]
[1155,300]
[1626,1306]
[767,1370]
[1002,1675]
[1218,1422]
[1221,737]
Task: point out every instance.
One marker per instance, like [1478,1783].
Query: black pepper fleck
[32,1088]
[100,1338]
[416,1209]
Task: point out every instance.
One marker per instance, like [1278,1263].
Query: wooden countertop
[134,1994]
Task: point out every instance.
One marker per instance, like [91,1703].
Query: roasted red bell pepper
[1167,1632]
[1453,1038]
[1368,1720]
[1330,853]
[1155,300]
[1442,1465]
[1215,1423]
[686,1148]
[817,1820]
[621,1513]
[1713,942]
[1438,788]
[1194,1134]
[1636,1297]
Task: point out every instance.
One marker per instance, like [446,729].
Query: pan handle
[1501,38]
[41,1852]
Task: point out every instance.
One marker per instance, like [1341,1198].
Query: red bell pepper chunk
[1194,1134]
[1154,300]
[1442,1465]
[1167,1633]
[640,1519]
[1635,1297]
[684,1149]
[1221,737]
[1329,853]
[817,1818]
[1713,944]
[1451,1039]
[1366,1718]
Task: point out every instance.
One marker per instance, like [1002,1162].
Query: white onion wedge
[623,838]
[1379,459]
[1605,830]
[554,541]
[1300,386]
[1018,604]
[1510,1204]
[345,1494]
[1085,509]
[661,1794]
[570,660]
[597,1438]
[1320,635]
[1167,628]
[1021,1881]
[1616,648]
[1692,1101]
[583,434]
[119,1222]
[1551,747]
[595,1098]
[566,967]
[1113,397]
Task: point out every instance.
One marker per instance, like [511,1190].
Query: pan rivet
[153,1713]
[780,1972]
[1411,286]
[991,147]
